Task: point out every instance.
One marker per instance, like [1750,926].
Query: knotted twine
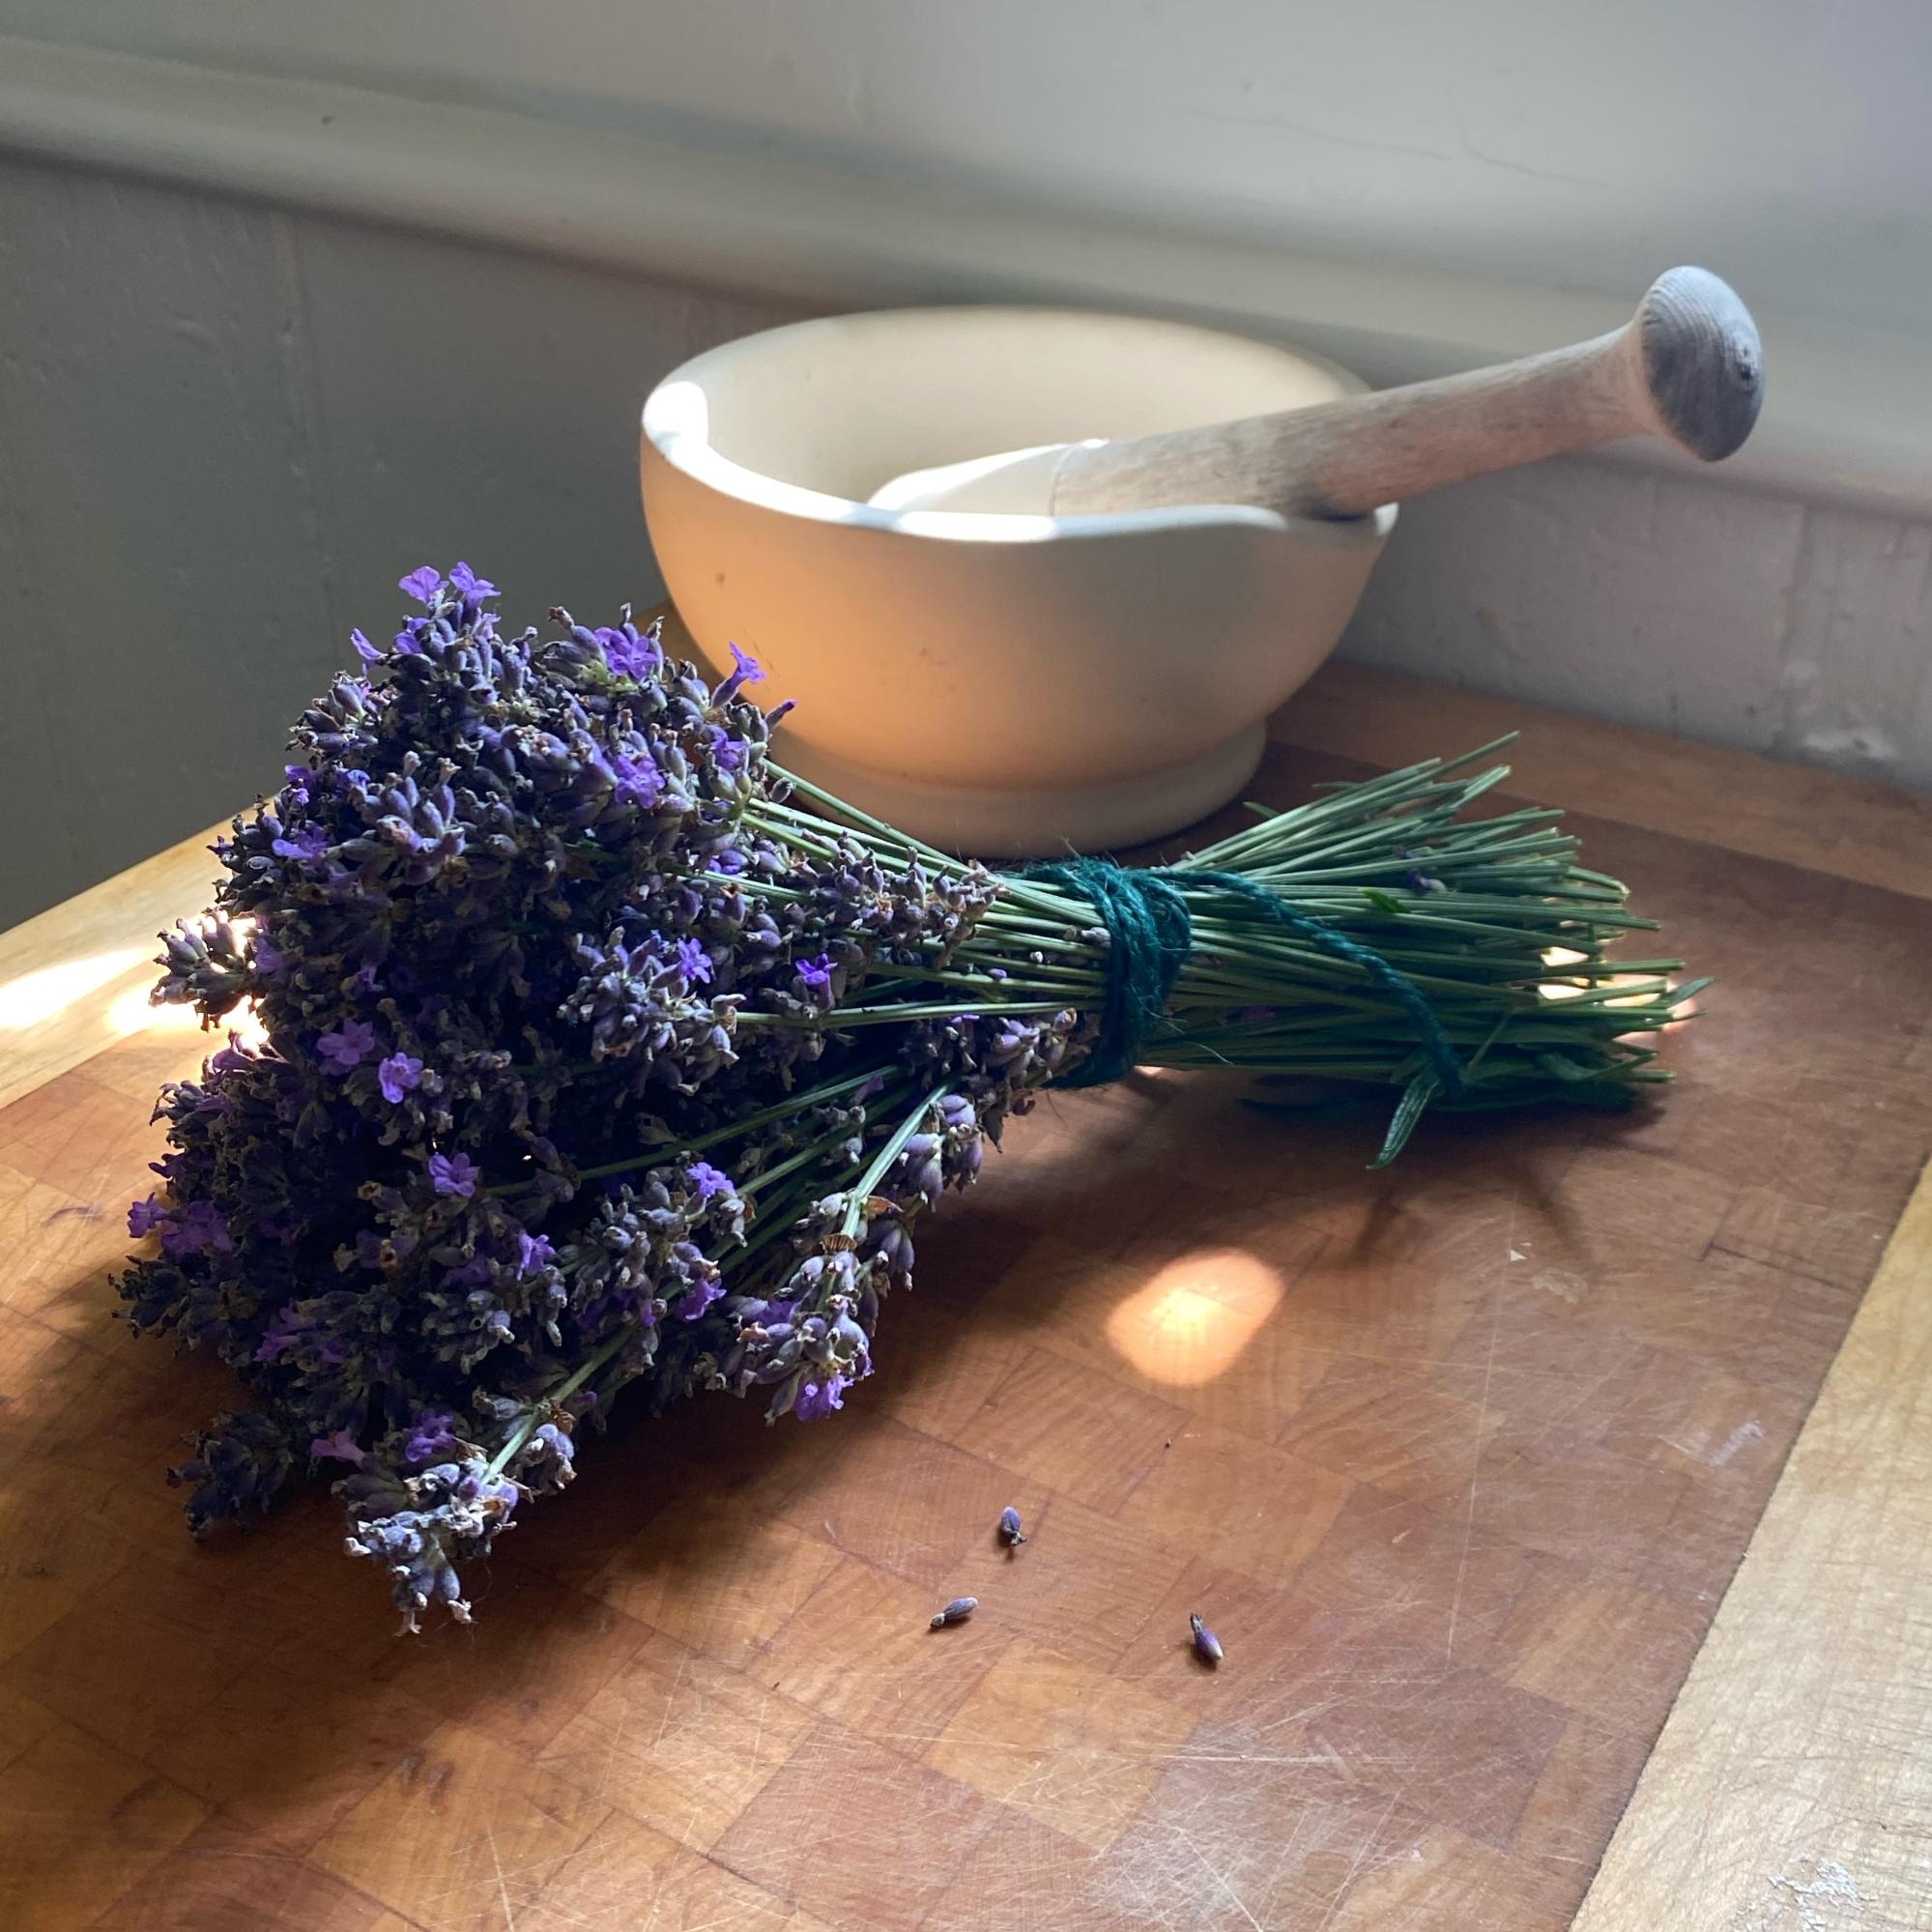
[1150,933]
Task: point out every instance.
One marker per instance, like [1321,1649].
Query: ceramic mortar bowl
[1004,686]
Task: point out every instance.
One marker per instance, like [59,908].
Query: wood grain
[1790,1787]
[1456,1459]
[73,979]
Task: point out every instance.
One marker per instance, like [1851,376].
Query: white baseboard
[1849,416]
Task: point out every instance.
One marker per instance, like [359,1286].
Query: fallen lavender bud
[1010,1533]
[956,1612]
[1206,1645]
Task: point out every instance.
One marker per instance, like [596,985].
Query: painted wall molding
[1849,416]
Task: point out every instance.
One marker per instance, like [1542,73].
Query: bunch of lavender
[599,1053]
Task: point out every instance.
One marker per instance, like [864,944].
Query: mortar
[1001,684]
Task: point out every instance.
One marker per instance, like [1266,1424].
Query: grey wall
[1739,618]
[227,431]
[1565,146]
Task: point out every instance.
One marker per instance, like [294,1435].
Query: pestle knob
[1687,366]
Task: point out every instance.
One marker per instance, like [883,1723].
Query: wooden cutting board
[1458,1459]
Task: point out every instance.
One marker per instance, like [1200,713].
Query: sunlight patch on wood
[1195,1315]
[49,991]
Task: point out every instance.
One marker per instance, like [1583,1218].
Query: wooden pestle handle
[1688,365]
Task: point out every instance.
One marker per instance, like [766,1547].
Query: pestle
[1687,366]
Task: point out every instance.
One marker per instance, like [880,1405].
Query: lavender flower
[237,1468]
[636,781]
[419,1527]
[339,1447]
[344,1047]
[306,842]
[694,960]
[430,1437]
[583,1080]
[628,653]
[398,1075]
[819,1396]
[745,670]
[454,1174]
[815,975]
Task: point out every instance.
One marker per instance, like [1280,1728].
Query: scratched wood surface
[1790,1791]
[1458,1459]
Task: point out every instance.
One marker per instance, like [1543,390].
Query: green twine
[1150,935]
[1399,987]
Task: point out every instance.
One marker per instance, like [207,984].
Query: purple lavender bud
[924,1165]
[890,1241]
[956,1612]
[1010,1532]
[1206,1645]
[238,1465]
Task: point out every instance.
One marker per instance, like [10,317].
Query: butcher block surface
[1458,1459]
